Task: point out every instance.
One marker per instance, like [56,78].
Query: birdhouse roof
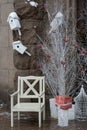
[59,14]
[81,96]
[12,15]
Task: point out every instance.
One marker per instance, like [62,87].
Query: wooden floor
[29,121]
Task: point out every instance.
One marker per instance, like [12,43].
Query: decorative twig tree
[57,56]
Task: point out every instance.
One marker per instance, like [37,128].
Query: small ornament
[78,51]
[38,66]
[66,39]
[63,62]
[85,53]
[48,56]
[39,46]
[75,45]
[81,69]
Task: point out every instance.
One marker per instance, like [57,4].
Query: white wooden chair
[31,92]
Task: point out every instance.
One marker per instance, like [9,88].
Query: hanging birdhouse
[18,46]
[14,22]
[59,17]
[56,22]
[32,3]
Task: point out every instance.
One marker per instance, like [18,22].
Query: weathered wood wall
[31,19]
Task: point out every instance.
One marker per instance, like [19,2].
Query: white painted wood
[21,94]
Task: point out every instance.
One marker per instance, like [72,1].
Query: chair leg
[39,118]
[12,120]
[44,114]
[18,115]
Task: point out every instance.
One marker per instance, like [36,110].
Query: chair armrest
[14,93]
[12,98]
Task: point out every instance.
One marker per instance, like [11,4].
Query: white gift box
[71,113]
[62,117]
[53,108]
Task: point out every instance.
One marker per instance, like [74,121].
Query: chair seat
[33,107]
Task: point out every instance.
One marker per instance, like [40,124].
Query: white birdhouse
[59,17]
[14,22]
[56,22]
[18,46]
[32,3]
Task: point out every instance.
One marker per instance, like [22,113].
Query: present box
[65,102]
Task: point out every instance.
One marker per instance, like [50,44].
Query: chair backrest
[31,86]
